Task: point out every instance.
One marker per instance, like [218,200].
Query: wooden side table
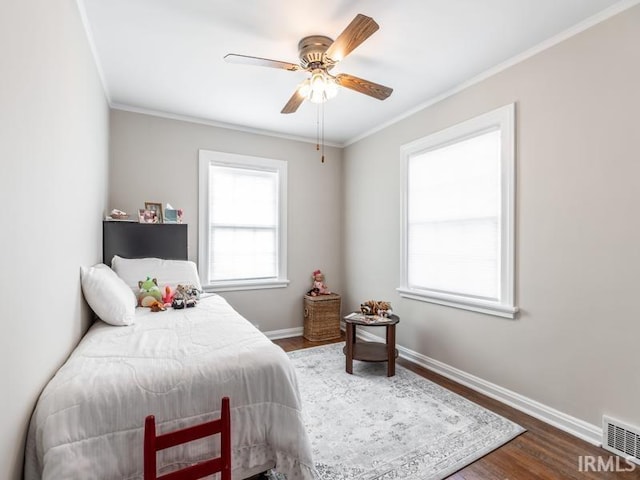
[372,351]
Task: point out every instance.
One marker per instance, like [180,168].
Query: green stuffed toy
[149,292]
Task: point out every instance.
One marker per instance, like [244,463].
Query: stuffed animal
[192,292]
[186,296]
[167,298]
[376,307]
[157,306]
[178,302]
[149,292]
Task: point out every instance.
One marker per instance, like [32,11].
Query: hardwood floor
[542,452]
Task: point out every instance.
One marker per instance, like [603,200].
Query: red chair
[154,443]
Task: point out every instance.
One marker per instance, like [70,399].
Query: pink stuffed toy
[167,298]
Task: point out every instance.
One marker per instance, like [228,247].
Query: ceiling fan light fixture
[330,87]
[317,81]
[305,89]
[318,55]
[319,88]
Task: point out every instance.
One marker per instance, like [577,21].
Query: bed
[177,365]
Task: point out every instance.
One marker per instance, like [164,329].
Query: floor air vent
[621,439]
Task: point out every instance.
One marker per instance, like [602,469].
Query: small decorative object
[149,292]
[118,214]
[376,307]
[318,288]
[172,215]
[155,207]
[147,216]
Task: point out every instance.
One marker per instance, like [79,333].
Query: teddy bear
[148,292]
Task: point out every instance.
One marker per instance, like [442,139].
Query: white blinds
[243,221]
[453,218]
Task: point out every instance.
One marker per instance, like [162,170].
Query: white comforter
[176,365]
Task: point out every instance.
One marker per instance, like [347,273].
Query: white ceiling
[167,55]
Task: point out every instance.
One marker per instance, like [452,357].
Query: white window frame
[504,119]
[208,158]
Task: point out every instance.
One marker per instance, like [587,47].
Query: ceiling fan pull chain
[317,127]
[322,107]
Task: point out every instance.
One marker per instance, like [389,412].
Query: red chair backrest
[154,443]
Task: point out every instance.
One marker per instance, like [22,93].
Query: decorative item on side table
[321,311]
[376,307]
[372,313]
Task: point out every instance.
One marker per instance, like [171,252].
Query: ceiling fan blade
[360,28]
[294,102]
[363,86]
[260,62]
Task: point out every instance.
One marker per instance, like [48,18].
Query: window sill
[245,285]
[475,305]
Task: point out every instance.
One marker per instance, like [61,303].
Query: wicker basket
[321,317]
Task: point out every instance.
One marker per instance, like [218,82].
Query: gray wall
[156,159]
[53,186]
[574,346]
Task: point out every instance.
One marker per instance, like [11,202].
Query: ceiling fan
[318,55]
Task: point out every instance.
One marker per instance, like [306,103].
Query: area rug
[368,426]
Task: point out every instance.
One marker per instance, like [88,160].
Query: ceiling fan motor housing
[311,51]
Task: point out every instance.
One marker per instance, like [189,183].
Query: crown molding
[556,39]
[211,123]
[550,42]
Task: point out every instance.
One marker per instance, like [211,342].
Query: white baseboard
[579,428]
[284,333]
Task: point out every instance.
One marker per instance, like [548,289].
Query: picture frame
[172,215]
[155,207]
[147,216]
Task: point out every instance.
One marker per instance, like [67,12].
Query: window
[458,215]
[243,222]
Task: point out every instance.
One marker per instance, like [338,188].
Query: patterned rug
[367,426]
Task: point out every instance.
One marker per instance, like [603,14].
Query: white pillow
[166,272]
[107,295]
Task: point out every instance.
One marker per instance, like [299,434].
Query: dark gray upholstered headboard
[141,240]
